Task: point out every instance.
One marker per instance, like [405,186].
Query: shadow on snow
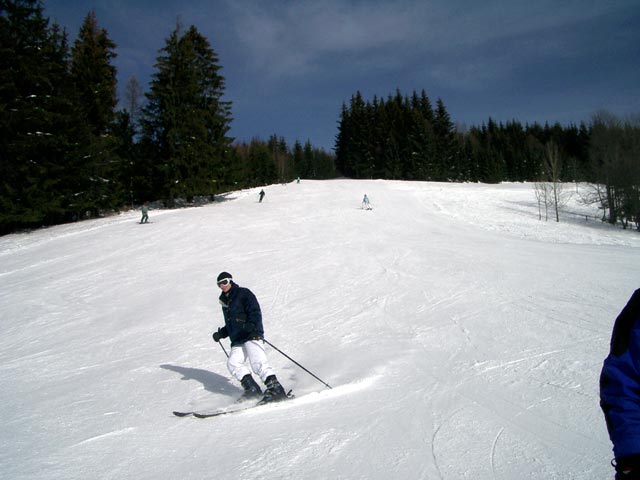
[212,382]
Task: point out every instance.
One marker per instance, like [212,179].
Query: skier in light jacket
[243,326]
[145,212]
[620,391]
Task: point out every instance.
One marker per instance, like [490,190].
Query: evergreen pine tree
[421,145]
[446,144]
[342,143]
[360,155]
[281,159]
[185,120]
[300,161]
[93,74]
[94,78]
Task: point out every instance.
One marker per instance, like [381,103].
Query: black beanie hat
[223,275]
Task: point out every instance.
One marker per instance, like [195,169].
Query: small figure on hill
[145,213]
[620,391]
[365,203]
[261,195]
[243,326]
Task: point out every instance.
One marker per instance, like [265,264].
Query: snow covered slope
[463,338]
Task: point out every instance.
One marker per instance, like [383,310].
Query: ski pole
[273,346]
[223,349]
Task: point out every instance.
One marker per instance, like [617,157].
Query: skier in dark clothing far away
[145,213]
[261,195]
[243,326]
[620,391]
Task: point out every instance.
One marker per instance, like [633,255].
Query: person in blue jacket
[620,391]
[243,326]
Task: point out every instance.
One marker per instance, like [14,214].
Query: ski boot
[251,388]
[274,391]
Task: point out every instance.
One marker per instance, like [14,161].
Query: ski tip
[181,414]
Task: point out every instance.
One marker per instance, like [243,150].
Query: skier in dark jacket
[243,326]
[620,390]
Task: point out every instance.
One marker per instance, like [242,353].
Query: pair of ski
[227,411]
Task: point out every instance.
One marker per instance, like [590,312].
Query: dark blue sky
[289,65]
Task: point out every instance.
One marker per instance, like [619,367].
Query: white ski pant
[252,350]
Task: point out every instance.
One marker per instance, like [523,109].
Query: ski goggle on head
[224,282]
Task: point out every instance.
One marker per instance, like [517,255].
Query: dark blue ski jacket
[242,315]
[620,381]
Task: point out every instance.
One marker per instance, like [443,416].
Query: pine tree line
[404,137]
[67,153]
[259,163]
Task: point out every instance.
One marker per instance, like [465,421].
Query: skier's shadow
[212,382]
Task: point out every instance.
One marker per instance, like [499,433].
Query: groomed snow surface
[463,337]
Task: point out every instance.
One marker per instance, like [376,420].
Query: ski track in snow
[123,431]
[463,338]
[493,452]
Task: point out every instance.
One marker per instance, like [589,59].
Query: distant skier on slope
[365,203]
[243,326]
[145,213]
[261,195]
[620,391]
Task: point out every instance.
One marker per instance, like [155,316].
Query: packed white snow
[462,336]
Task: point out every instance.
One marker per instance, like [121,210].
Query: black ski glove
[629,466]
[221,333]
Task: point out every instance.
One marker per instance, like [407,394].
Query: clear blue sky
[289,65]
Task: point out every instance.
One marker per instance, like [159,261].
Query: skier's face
[225,285]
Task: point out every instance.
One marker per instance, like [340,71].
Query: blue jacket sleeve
[620,381]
